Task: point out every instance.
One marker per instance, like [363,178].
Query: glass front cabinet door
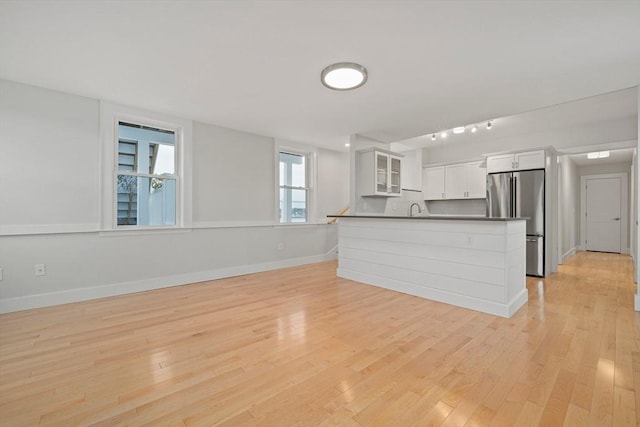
[379,173]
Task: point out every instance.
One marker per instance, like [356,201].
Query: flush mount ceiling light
[458,130]
[344,76]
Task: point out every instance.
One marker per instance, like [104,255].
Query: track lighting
[461,129]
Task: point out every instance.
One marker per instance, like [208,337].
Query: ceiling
[608,107]
[255,65]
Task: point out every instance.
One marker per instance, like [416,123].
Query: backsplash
[458,207]
[399,206]
[390,206]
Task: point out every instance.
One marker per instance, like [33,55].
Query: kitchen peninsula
[472,262]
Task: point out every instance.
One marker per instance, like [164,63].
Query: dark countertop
[431,217]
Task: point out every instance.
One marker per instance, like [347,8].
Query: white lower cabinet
[459,181]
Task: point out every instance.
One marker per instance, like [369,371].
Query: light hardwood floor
[300,347]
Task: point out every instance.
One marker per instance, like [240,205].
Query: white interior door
[603,214]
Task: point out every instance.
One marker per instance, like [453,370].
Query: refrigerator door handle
[514,197]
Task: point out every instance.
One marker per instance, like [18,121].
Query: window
[294,188]
[145,178]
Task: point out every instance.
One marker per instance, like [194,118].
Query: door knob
[616,219]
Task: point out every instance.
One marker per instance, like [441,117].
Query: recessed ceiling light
[474,129]
[347,145]
[598,155]
[444,134]
[488,125]
[344,76]
[458,130]
[433,137]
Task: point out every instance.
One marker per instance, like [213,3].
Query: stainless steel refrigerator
[521,194]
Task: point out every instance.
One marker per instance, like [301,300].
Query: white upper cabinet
[455,181]
[434,183]
[459,181]
[379,173]
[502,163]
[517,161]
[530,160]
[476,180]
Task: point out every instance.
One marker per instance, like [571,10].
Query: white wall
[411,176]
[333,183]
[569,204]
[49,169]
[636,193]
[49,208]
[233,176]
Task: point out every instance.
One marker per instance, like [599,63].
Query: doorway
[604,207]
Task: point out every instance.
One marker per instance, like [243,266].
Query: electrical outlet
[40,270]
[280,246]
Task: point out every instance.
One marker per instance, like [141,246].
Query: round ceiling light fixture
[344,76]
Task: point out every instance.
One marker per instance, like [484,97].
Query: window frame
[136,174]
[110,117]
[309,154]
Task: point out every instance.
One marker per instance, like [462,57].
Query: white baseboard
[571,252]
[490,307]
[9,305]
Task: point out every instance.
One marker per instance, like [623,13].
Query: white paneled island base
[474,263]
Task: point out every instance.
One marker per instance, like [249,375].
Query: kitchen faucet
[410,212]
